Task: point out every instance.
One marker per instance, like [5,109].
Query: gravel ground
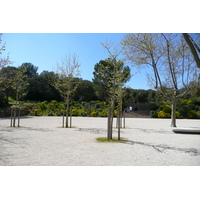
[40,141]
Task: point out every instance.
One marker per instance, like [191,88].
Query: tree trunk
[70,118]
[66,125]
[11,118]
[119,124]
[173,113]
[109,124]
[63,122]
[14,117]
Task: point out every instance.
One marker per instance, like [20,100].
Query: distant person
[130,109]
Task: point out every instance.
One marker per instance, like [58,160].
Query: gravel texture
[40,141]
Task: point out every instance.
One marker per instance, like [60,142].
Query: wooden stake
[63,120]
[66,125]
[14,117]
[11,117]
[18,117]
[124,117]
[70,118]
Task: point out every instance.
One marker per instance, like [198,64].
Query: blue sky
[44,50]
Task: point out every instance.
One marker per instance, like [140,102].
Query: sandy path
[40,142]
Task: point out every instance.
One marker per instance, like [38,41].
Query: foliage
[162,114]
[186,108]
[167,109]
[189,108]
[108,75]
[40,88]
[54,108]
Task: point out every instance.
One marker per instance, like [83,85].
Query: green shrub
[74,112]
[196,100]
[93,114]
[193,114]
[154,114]
[167,109]
[42,106]
[183,111]
[50,114]
[198,114]
[162,114]
[36,112]
[104,113]
[177,115]
[115,113]
[81,112]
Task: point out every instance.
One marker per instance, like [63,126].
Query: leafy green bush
[162,114]
[93,114]
[177,114]
[74,112]
[36,112]
[167,109]
[154,113]
[193,114]
[104,113]
[188,108]
[42,107]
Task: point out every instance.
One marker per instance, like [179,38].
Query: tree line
[38,87]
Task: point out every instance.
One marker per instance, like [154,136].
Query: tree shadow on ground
[161,147]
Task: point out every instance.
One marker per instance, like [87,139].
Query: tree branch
[192,46]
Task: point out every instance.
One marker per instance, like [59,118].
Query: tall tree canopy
[104,75]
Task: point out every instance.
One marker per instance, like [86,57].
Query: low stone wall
[6,112]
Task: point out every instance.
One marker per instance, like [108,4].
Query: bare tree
[170,60]
[4,61]
[66,81]
[19,85]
